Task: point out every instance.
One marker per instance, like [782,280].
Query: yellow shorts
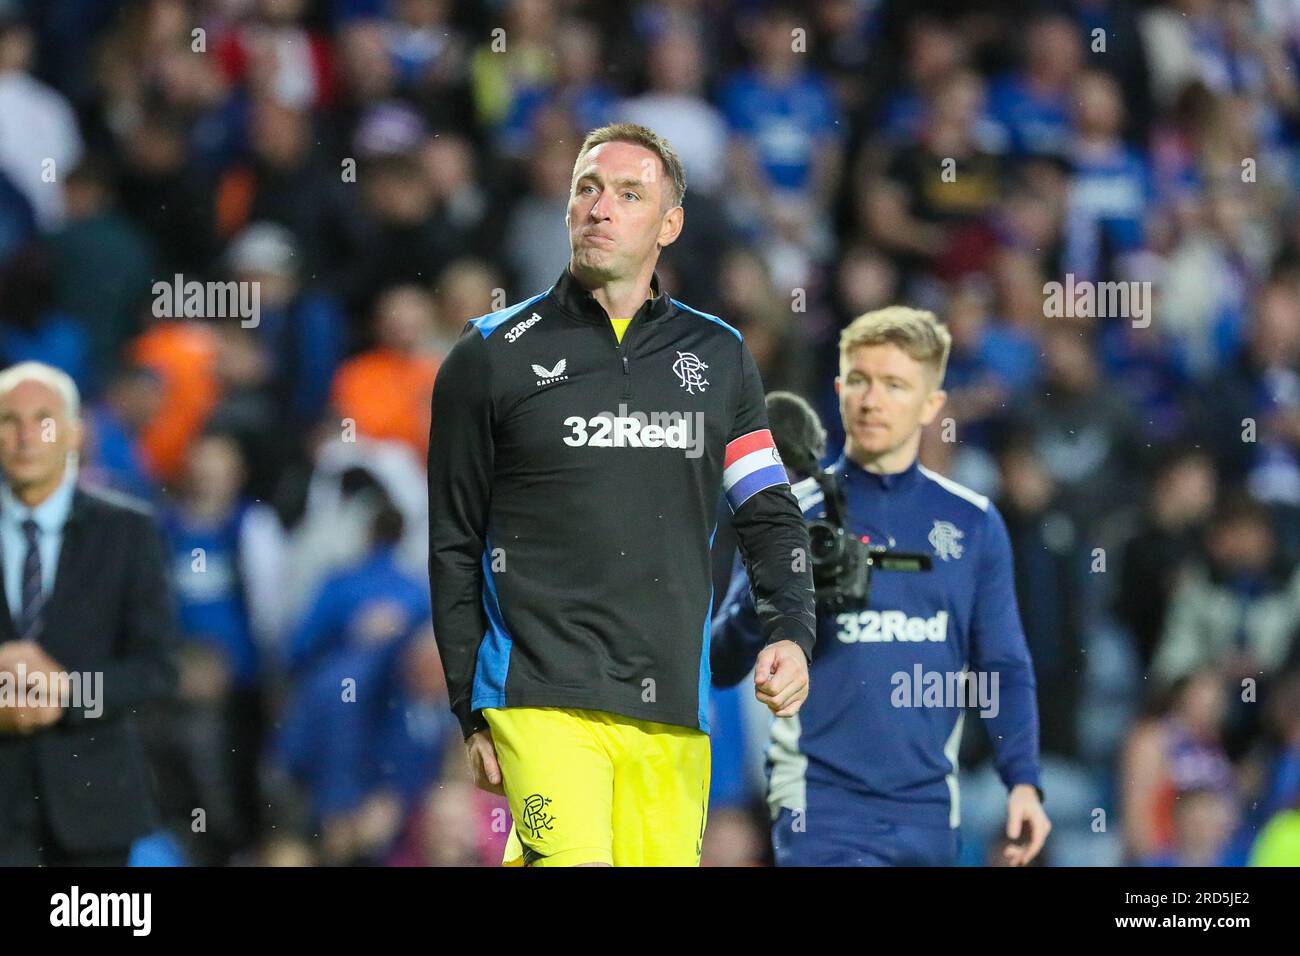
[586,786]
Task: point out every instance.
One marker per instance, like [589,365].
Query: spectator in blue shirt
[366,605]
[1262,387]
[110,453]
[935,51]
[302,329]
[1151,367]
[1110,185]
[1034,103]
[218,547]
[785,121]
[366,736]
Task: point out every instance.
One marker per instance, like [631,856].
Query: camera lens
[825,543]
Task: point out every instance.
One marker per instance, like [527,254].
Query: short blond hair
[638,136]
[917,332]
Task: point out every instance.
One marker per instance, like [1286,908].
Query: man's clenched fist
[781,678]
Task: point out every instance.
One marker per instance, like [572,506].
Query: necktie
[31,620]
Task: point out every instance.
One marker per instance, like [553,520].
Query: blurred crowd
[385,170]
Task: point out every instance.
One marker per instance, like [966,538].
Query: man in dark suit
[86,628]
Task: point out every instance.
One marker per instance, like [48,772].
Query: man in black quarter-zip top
[580,442]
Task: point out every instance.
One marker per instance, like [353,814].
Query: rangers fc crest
[945,538]
[690,370]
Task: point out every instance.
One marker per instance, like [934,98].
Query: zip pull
[627,379]
[626,370]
